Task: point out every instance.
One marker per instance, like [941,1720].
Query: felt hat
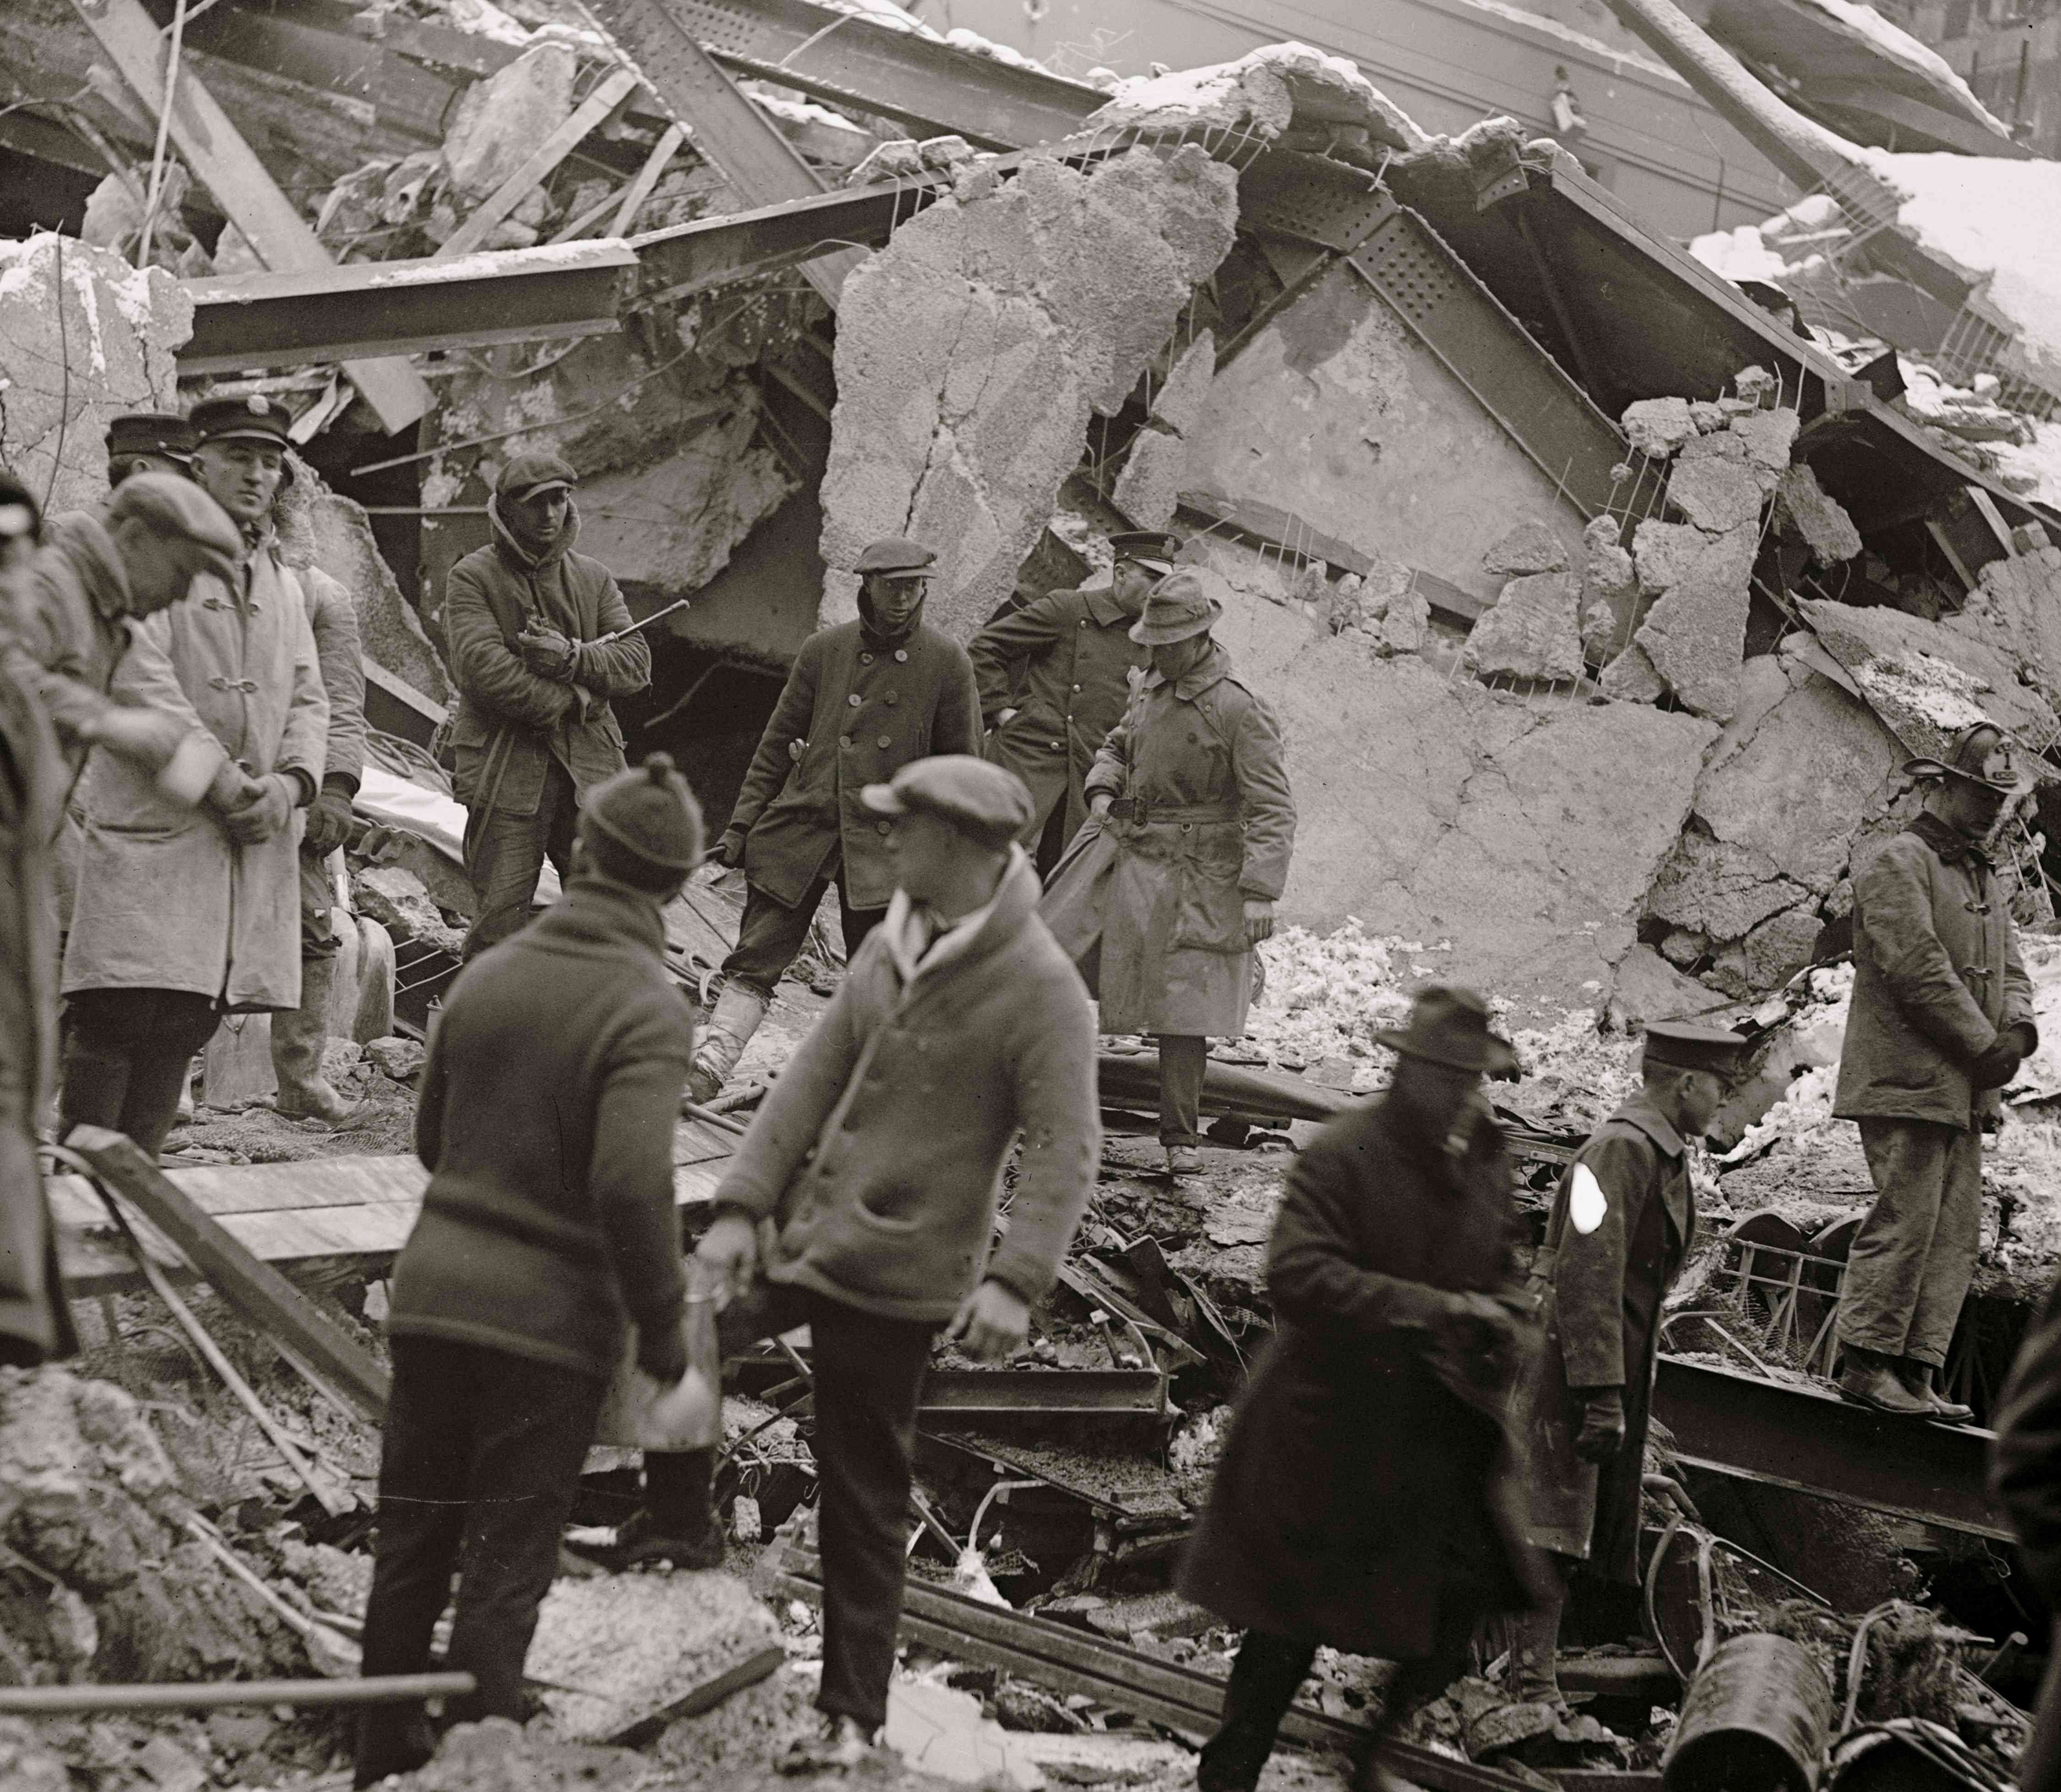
[254,418]
[173,506]
[648,810]
[1187,601]
[1450,1026]
[150,432]
[987,802]
[897,554]
[1981,755]
[1688,1046]
[527,475]
[1154,548]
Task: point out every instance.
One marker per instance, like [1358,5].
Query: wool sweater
[547,1120]
[878,1153]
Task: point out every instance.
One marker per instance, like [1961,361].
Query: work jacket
[1360,1490]
[878,1153]
[511,723]
[333,620]
[164,899]
[1203,820]
[2025,1480]
[1065,663]
[853,712]
[1936,975]
[1600,1294]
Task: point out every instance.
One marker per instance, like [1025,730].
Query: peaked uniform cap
[253,418]
[150,432]
[1187,601]
[648,811]
[897,554]
[1450,1026]
[1689,1046]
[1150,548]
[988,802]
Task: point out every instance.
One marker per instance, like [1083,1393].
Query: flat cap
[1187,601]
[648,810]
[150,432]
[529,474]
[253,418]
[985,802]
[1153,547]
[897,554]
[172,506]
[1688,1046]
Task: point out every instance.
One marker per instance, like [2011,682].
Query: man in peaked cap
[1162,903]
[148,441]
[546,1122]
[1619,1232]
[529,622]
[864,699]
[959,1024]
[1053,677]
[1940,1021]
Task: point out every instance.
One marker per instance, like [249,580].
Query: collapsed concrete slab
[1533,631]
[1260,96]
[973,349]
[1148,489]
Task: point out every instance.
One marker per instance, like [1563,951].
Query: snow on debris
[1896,45]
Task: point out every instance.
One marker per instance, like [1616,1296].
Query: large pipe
[214,1695]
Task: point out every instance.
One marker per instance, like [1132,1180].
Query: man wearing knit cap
[877,1159]
[864,698]
[1162,899]
[1054,678]
[546,1122]
[528,622]
[148,441]
[1619,1232]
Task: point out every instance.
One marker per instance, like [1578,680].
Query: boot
[738,1010]
[1870,1378]
[297,1038]
[1535,1655]
[1919,1379]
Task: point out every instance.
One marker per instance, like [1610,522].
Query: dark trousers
[317,907]
[1182,1057]
[869,1373]
[478,1470]
[1911,1264]
[504,855]
[127,1054]
[771,934]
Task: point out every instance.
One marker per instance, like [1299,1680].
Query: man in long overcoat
[1055,677]
[1366,1498]
[1163,901]
[864,698]
[1941,1018]
[2025,1480]
[1620,1231]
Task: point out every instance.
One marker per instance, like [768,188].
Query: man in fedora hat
[1368,1495]
[1164,901]
[864,698]
[1619,1232]
[1055,676]
[1941,1019]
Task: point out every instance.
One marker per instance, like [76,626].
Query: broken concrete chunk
[1403,629]
[1722,446]
[1769,436]
[1665,552]
[1658,427]
[1695,632]
[1532,630]
[1803,508]
[1257,96]
[1709,417]
[1684,945]
[1754,384]
[1150,485]
[1529,548]
[401,1059]
[396,898]
[900,159]
[1718,889]
[1769,957]
[1647,987]
[1612,605]
[1714,494]
[1630,678]
[1177,405]
[502,120]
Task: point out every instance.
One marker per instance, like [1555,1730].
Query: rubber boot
[297,1038]
[738,1010]
[1534,1653]
[1921,1379]
[1870,1378]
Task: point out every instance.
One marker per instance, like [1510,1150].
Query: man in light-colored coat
[183,914]
[1941,1019]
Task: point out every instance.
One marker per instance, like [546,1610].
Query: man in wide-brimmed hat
[1163,902]
[1619,1236]
[1369,1497]
[1941,1019]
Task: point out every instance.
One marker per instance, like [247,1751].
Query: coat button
[853,699]
[881,826]
[844,740]
[865,659]
[1055,746]
[892,697]
[901,656]
[886,740]
[1077,688]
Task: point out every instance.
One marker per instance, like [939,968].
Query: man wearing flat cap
[1620,1230]
[864,698]
[1161,902]
[525,618]
[181,914]
[148,441]
[1369,1497]
[1941,1019]
[1054,678]
[878,1160]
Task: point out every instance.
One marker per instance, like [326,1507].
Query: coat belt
[1141,810]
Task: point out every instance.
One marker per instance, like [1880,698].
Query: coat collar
[1214,669]
[84,540]
[1007,912]
[1676,1195]
[1100,603]
[1948,844]
[594,912]
[520,557]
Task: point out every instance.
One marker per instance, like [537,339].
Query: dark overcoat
[2025,1478]
[852,713]
[1075,656]
[1936,975]
[1357,1491]
[1600,1319]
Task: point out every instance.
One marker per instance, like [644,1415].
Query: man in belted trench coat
[1620,1231]
[1161,899]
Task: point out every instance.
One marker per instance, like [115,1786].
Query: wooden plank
[668,146]
[614,90]
[216,151]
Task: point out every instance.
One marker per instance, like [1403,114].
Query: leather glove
[662,1352]
[1991,1069]
[231,788]
[267,813]
[1470,1323]
[545,652]
[730,850]
[1602,1434]
[329,819]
